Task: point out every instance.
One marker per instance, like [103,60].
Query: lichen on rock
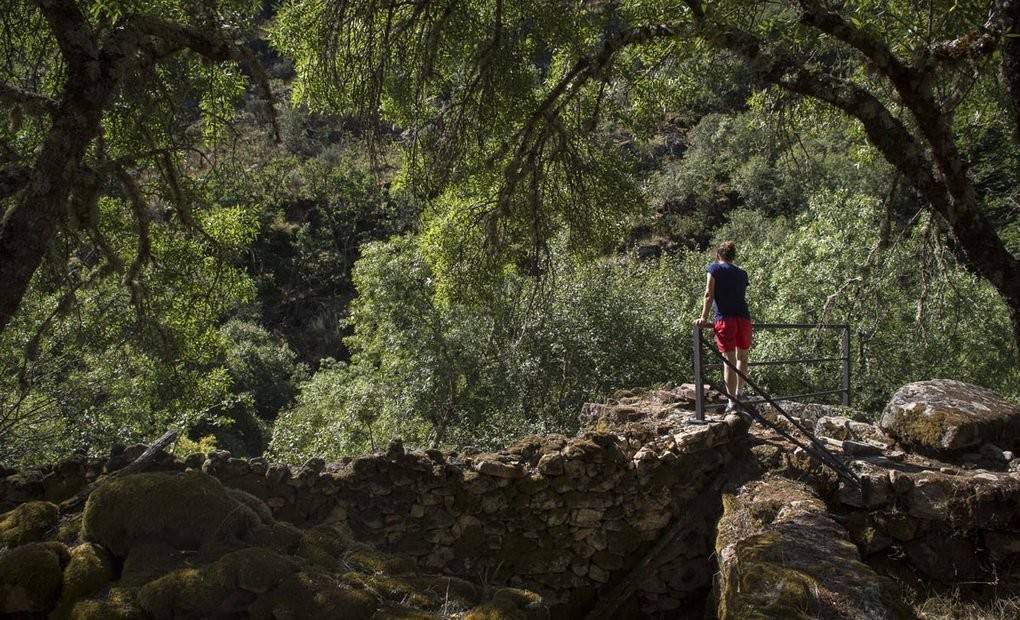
[782,555]
[943,416]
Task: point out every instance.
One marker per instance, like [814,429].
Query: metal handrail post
[699,379]
[845,346]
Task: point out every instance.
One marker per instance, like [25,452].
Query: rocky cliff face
[632,518]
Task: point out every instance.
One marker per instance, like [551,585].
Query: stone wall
[560,516]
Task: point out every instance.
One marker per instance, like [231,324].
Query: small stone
[901,482]
[499,470]
[598,574]
[395,449]
[314,465]
[551,464]
[277,472]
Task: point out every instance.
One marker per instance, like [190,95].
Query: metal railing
[844,359]
[814,447]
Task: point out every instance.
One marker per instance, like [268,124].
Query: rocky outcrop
[781,554]
[944,417]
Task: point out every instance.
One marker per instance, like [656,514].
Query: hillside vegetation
[303,228]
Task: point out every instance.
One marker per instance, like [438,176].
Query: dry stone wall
[560,516]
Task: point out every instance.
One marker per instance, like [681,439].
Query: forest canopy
[308,226]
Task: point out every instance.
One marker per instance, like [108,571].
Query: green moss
[148,561]
[31,576]
[187,592]
[280,536]
[517,597]
[69,530]
[105,610]
[313,596]
[88,571]
[494,610]
[258,506]
[185,511]
[29,522]
[373,560]
[396,612]
[253,569]
[925,430]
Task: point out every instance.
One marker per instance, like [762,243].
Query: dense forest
[304,227]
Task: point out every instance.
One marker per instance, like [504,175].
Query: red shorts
[732,332]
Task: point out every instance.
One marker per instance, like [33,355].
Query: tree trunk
[30,224]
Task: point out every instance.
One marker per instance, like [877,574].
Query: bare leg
[742,366]
[729,375]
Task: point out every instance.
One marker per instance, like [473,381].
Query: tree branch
[981,42]
[33,103]
[160,38]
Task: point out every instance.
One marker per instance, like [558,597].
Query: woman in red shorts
[726,293]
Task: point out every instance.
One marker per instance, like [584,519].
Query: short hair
[727,251]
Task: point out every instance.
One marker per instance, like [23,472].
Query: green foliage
[445,372]
[91,362]
[916,313]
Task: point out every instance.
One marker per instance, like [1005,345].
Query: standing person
[726,293]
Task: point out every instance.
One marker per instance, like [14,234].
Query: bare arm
[706,307]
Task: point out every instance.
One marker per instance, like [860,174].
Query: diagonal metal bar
[819,451]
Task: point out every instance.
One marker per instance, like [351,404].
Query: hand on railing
[702,323]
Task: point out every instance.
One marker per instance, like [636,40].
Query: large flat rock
[781,555]
[943,416]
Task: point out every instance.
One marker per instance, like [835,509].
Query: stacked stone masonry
[560,516]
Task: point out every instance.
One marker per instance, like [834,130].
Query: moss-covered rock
[31,576]
[372,560]
[105,610]
[29,522]
[88,571]
[254,569]
[69,529]
[148,561]
[782,556]
[313,596]
[186,511]
[184,593]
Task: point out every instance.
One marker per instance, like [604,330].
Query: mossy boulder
[945,417]
[105,610]
[254,569]
[31,576]
[313,596]
[228,585]
[782,556]
[184,593]
[184,510]
[88,571]
[28,522]
[146,562]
